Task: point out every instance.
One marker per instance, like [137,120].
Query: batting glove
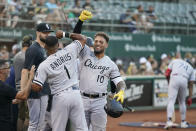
[120,96]
[189,101]
[85,15]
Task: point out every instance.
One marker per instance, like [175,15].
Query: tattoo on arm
[121,86]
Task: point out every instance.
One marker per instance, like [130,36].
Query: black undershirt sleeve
[78,27]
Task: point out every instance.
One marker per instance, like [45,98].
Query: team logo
[47,26]
[90,64]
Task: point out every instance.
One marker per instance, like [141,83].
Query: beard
[98,52]
[42,39]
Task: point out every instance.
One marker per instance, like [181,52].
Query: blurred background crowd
[138,16]
[130,16]
[142,66]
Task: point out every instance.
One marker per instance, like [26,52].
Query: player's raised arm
[85,15]
[73,36]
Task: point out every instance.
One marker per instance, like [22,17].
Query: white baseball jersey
[183,68]
[95,73]
[60,69]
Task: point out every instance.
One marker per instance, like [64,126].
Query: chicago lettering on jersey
[89,63]
[60,61]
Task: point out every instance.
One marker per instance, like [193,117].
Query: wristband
[66,34]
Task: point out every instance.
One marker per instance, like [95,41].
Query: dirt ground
[148,116]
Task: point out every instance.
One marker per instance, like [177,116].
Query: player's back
[181,67]
[61,70]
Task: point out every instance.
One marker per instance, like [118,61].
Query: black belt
[94,95]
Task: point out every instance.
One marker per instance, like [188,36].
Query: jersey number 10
[100,78]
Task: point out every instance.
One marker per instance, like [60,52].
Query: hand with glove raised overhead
[120,96]
[85,15]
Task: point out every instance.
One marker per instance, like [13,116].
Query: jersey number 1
[100,78]
[65,68]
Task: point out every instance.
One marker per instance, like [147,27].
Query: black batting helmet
[113,108]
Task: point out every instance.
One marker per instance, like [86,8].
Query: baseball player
[59,69]
[85,15]
[96,69]
[180,75]
[37,102]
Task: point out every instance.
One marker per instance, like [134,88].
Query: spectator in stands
[148,64]
[15,8]
[40,12]
[15,50]
[77,8]
[88,6]
[3,12]
[119,63]
[54,14]
[67,14]
[51,5]
[141,19]
[144,68]
[151,14]
[30,9]
[4,54]
[126,18]
[153,63]
[132,69]
[164,63]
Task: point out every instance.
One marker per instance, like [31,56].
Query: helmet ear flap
[113,108]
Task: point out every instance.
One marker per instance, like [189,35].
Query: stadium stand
[172,16]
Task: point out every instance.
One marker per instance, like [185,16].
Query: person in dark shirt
[11,82]
[7,94]
[18,63]
[37,101]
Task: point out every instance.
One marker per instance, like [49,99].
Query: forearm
[27,90]
[24,78]
[78,37]
[121,86]
[24,93]
[78,27]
